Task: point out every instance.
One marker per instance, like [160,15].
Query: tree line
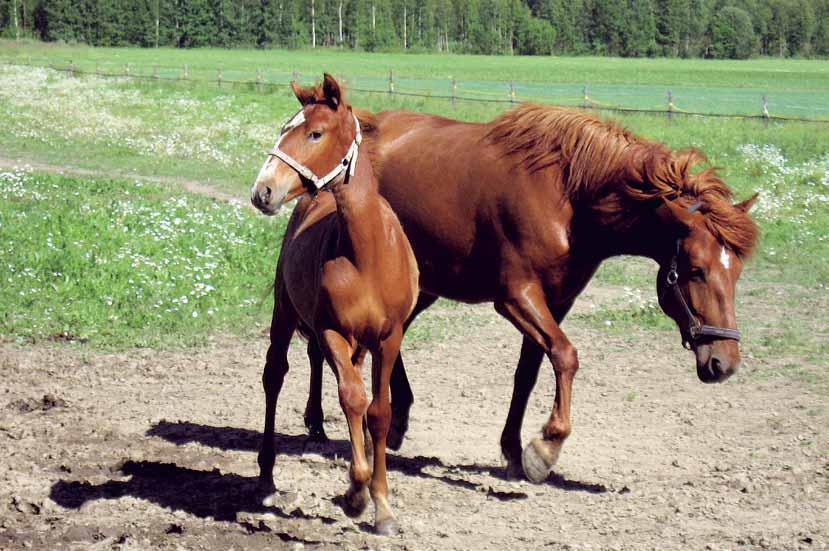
[634,28]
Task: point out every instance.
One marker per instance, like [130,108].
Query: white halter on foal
[348,163]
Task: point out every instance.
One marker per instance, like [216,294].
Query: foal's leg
[314,416]
[379,416]
[526,375]
[353,401]
[526,308]
[283,325]
[401,392]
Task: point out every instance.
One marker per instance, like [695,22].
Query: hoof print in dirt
[34,404]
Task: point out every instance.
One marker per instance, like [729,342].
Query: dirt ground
[157,450]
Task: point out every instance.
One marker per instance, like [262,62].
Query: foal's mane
[600,160]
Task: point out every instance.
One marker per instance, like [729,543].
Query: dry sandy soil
[157,450]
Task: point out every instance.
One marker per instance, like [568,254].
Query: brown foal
[346,277]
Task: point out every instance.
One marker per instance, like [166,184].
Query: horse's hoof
[355,503]
[397,430]
[538,459]
[386,527]
[317,436]
[515,471]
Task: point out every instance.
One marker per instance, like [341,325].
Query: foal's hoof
[386,527]
[354,503]
[538,459]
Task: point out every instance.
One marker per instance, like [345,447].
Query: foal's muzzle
[261,199]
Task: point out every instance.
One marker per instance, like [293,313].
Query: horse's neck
[635,231]
[358,210]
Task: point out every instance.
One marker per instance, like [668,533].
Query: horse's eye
[314,136]
[697,274]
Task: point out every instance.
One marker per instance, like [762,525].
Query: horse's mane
[599,159]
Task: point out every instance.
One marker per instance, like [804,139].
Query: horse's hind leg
[379,417]
[283,325]
[353,401]
[314,416]
[401,391]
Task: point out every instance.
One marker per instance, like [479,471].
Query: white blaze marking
[725,258]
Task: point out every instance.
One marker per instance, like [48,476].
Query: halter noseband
[695,330]
[348,163]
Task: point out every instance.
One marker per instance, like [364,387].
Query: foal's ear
[304,95]
[331,90]
[676,213]
[744,206]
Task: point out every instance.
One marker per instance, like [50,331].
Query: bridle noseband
[314,182]
[694,330]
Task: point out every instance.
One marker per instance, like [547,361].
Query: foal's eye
[314,136]
[697,274]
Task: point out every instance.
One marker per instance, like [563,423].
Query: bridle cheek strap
[349,162]
[695,330]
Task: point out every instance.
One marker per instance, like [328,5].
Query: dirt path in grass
[157,450]
[201,188]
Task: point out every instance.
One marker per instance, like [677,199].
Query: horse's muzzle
[715,369]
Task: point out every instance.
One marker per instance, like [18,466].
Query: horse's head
[696,287]
[312,145]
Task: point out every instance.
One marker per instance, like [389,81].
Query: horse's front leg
[314,417]
[526,375]
[283,325]
[401,391]
[526,307]
[353,401]
[379,417]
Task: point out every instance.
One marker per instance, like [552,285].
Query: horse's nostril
[716,367]
[267,193]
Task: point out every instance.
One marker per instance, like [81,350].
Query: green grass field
[794,87]
[100,275]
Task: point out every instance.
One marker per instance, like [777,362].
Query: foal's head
[698,277]
[317,138]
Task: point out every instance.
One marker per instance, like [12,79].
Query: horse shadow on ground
[221,496]
[204,494]
[236,439]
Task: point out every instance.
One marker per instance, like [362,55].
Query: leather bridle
[694,331]
[312,181]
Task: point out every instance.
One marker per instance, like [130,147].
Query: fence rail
[451,90]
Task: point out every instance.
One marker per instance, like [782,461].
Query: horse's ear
[304,95]
[676,213]
[744,206]
[331,90]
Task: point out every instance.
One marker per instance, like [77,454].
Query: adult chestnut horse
[346,277]
[521,211]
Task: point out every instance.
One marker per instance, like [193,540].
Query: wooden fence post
[185,72]
[258,80]
[219,77]
[155,72]
[670,106]
[512,91]
[454,92]
[585,98]
[97,70]
[765,111]
[391,81]
[71,68]
[127,69]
